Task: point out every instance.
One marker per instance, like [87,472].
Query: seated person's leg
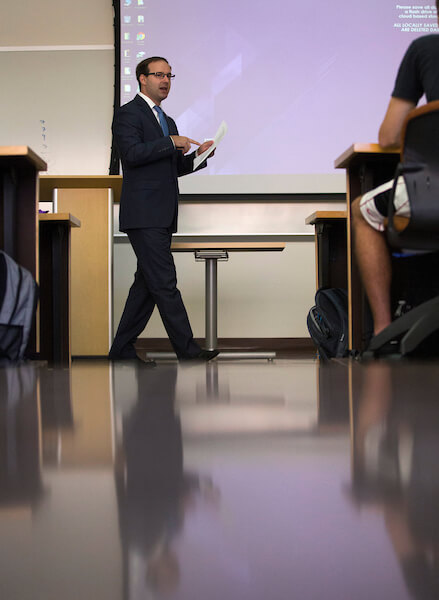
[401,203]
[372,252]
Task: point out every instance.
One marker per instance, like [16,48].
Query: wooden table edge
[60,217]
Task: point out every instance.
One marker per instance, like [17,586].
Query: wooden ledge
[228,246]
[60,217]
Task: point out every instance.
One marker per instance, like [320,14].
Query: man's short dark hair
[143,67]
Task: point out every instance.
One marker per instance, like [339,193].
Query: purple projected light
[296,82]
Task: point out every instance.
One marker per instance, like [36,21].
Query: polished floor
[229,480]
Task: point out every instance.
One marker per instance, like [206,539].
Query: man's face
[153,87]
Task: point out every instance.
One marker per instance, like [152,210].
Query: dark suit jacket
[150,165]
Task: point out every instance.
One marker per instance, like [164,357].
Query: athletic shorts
[374,204]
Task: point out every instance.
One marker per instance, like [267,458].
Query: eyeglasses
[161,75]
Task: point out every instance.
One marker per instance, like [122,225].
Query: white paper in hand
[222,130]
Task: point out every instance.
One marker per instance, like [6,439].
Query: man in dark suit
[153,156]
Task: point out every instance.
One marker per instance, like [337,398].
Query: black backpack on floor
[18,302]
[328,323]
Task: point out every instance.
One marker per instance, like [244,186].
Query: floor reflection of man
[396,444]
[153,489]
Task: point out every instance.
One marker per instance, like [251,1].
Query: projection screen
[296,82]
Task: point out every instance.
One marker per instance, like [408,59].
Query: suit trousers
[155,284]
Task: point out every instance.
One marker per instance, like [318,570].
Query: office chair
[420,232]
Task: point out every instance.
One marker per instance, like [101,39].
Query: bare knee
[356,215]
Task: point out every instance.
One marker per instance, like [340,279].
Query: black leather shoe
[207,355]
[203,355]
[146,362]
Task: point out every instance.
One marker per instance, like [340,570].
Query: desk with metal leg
[211,253]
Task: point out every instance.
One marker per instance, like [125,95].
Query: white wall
[264,294]
[60,104]
[56,67]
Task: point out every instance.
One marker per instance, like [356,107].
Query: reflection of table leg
[212,383]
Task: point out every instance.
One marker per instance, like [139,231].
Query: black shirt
[419,71]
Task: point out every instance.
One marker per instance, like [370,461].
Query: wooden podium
[330,247]
[19,166]
[55,261]
[90,199]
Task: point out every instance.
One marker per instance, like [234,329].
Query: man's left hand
[204,146]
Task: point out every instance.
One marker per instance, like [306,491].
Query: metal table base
[211,258]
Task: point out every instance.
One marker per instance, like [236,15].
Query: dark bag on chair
[328,323]
[18,300]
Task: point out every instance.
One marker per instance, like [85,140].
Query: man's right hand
[183,143]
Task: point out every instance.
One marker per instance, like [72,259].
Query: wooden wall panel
[91,306]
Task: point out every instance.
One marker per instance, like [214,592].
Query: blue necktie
[163,123]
